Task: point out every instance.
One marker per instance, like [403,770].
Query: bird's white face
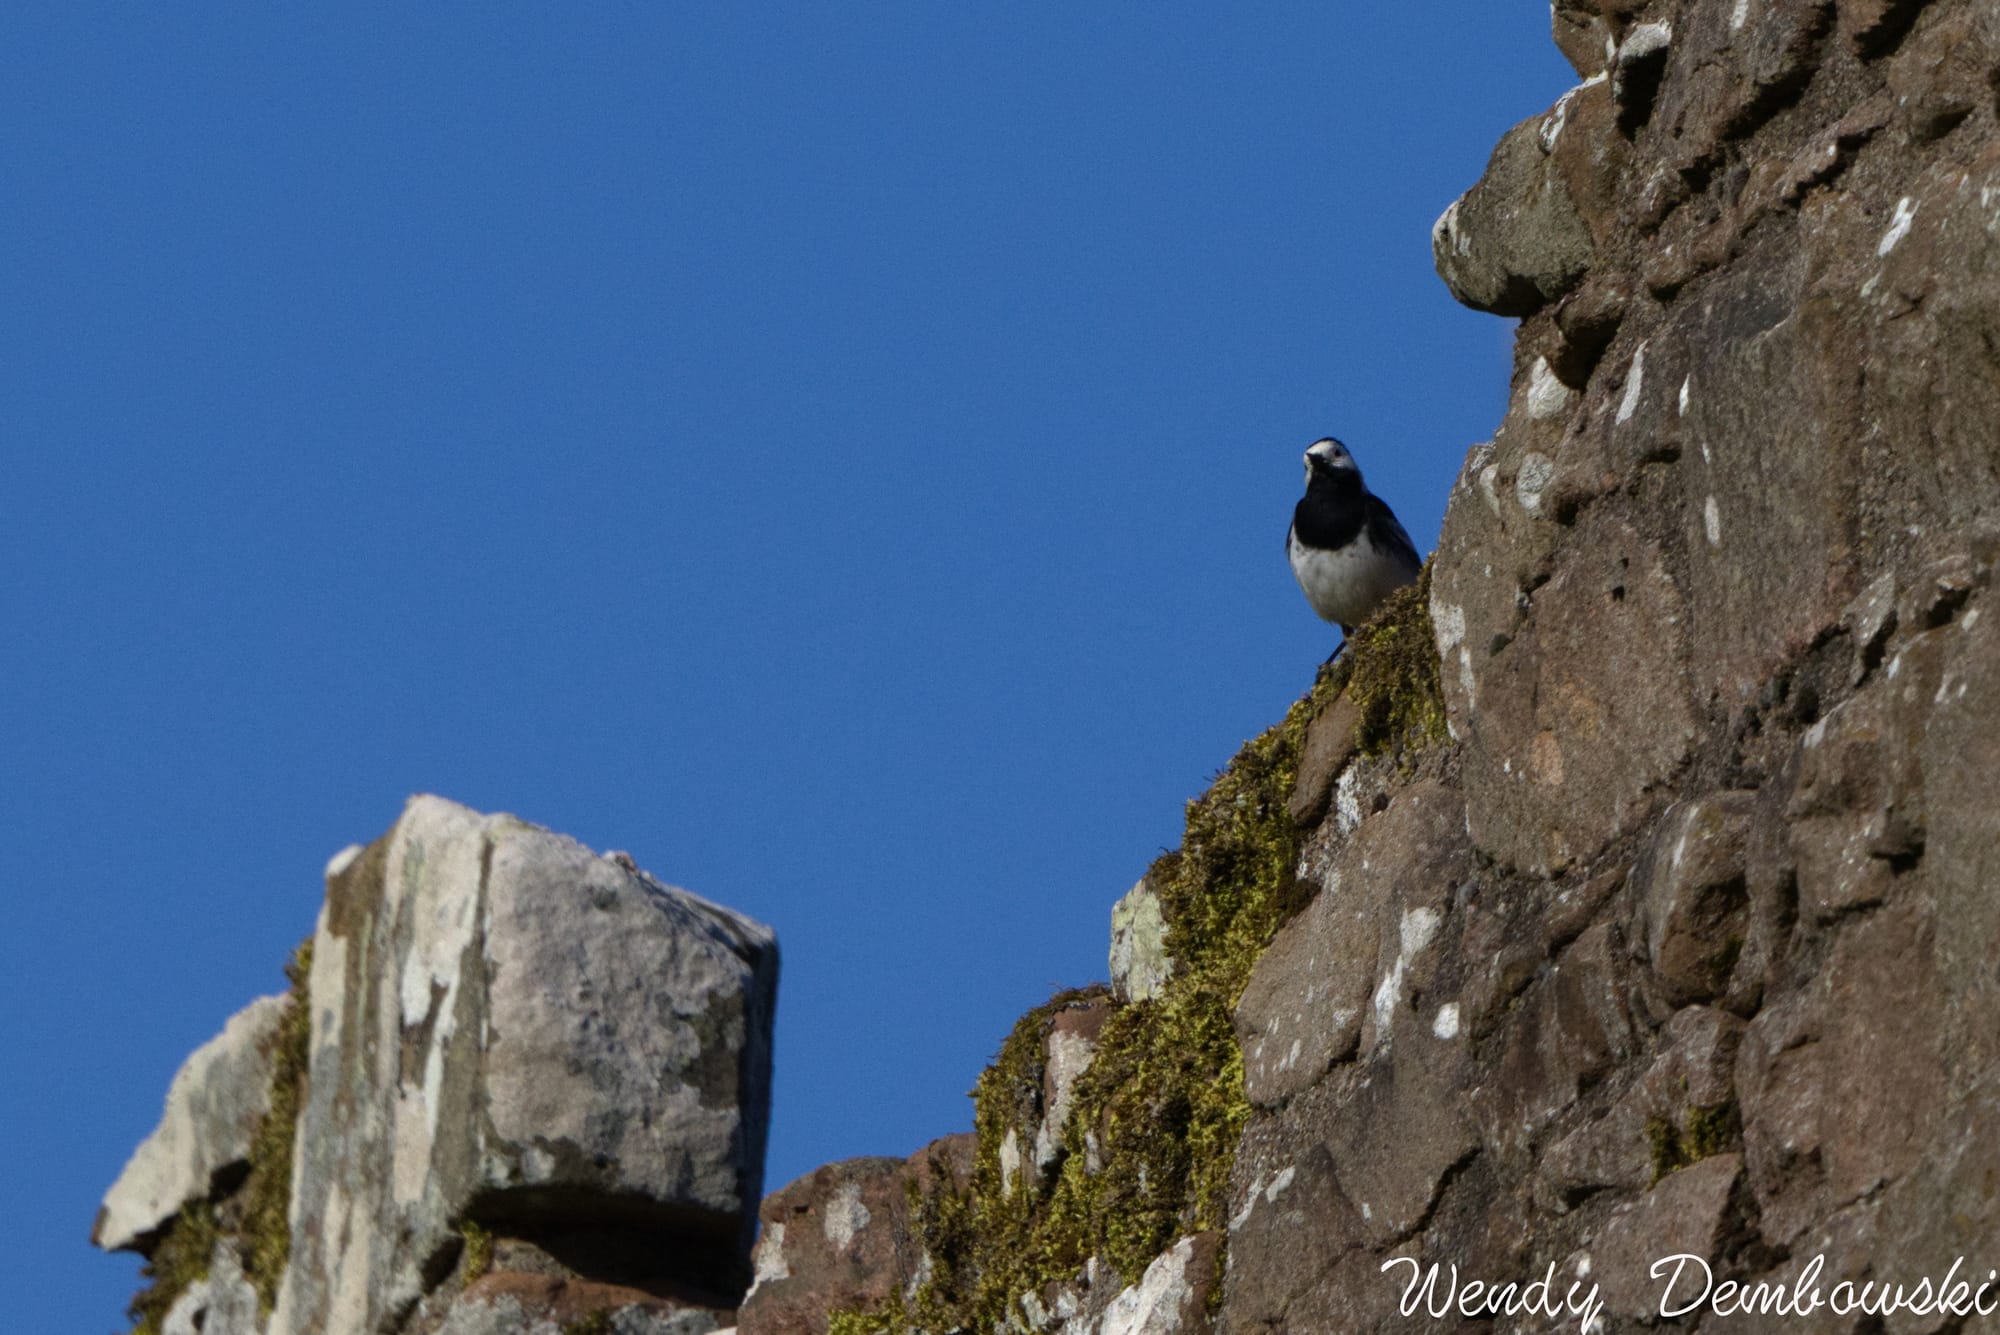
[1328,454]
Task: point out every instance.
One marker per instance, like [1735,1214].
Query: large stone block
[1556,767]
[512,1029]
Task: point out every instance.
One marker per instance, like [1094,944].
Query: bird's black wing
[1387,534]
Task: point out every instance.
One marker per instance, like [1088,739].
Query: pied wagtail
[1347,550]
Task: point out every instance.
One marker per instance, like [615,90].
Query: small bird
[1347,550]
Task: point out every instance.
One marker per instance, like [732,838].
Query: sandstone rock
[1959,750]
[842,1238]
[838,1238]
[1858,810]
[1587,320]
[1733,67]
[223,1302]
[1070,1046]
[1815,1137]
[1583,35]
[1329,745]
[1553,775]
[1681,1104]
[1939,77]
[1290,1227]
[1302,1008]
[213,1107]
[1769,502]
[531,1304]
[1395,1136]
[1575,907]
[1171,1298]
[1693,899]
[1687,1214]
[1636,71]
[1140,964]
[1571,1026]
[1513,242]
[510,1027]
[1335,975]
[1589,156]
[1868,621]
[1872,26]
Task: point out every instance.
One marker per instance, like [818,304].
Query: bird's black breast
[1330,514]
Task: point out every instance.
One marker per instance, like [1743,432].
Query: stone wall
[1682,940]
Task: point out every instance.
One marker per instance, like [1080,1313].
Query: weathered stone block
[1329,745]
[1688,1213]
[1554,770]
[1693,900]
[1514,242]
[213,1106]
[510,1028]
[842,1238]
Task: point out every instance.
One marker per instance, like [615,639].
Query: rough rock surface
[536,1083]
[1683,941]
[213,1106]
[841,1238]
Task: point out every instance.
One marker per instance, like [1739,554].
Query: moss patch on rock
[254,1215]
[1389,671]
[1154,1122]
[477,1252]
[265,1230]
[1710,1130]
[180,1258]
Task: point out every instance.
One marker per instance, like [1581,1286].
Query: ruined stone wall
[1684,939]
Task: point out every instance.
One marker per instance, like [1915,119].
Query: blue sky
[838,454]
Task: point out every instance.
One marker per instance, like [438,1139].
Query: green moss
[889,1319]
[179,1259]
[1713,1130]
[478,1255]
[255,1215]
[1390,671]
[1710,1129]
[1664,1140]
[593,1323]
[1161,1106]
[265,1229]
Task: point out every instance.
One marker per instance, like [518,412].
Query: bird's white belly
[1345,585]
